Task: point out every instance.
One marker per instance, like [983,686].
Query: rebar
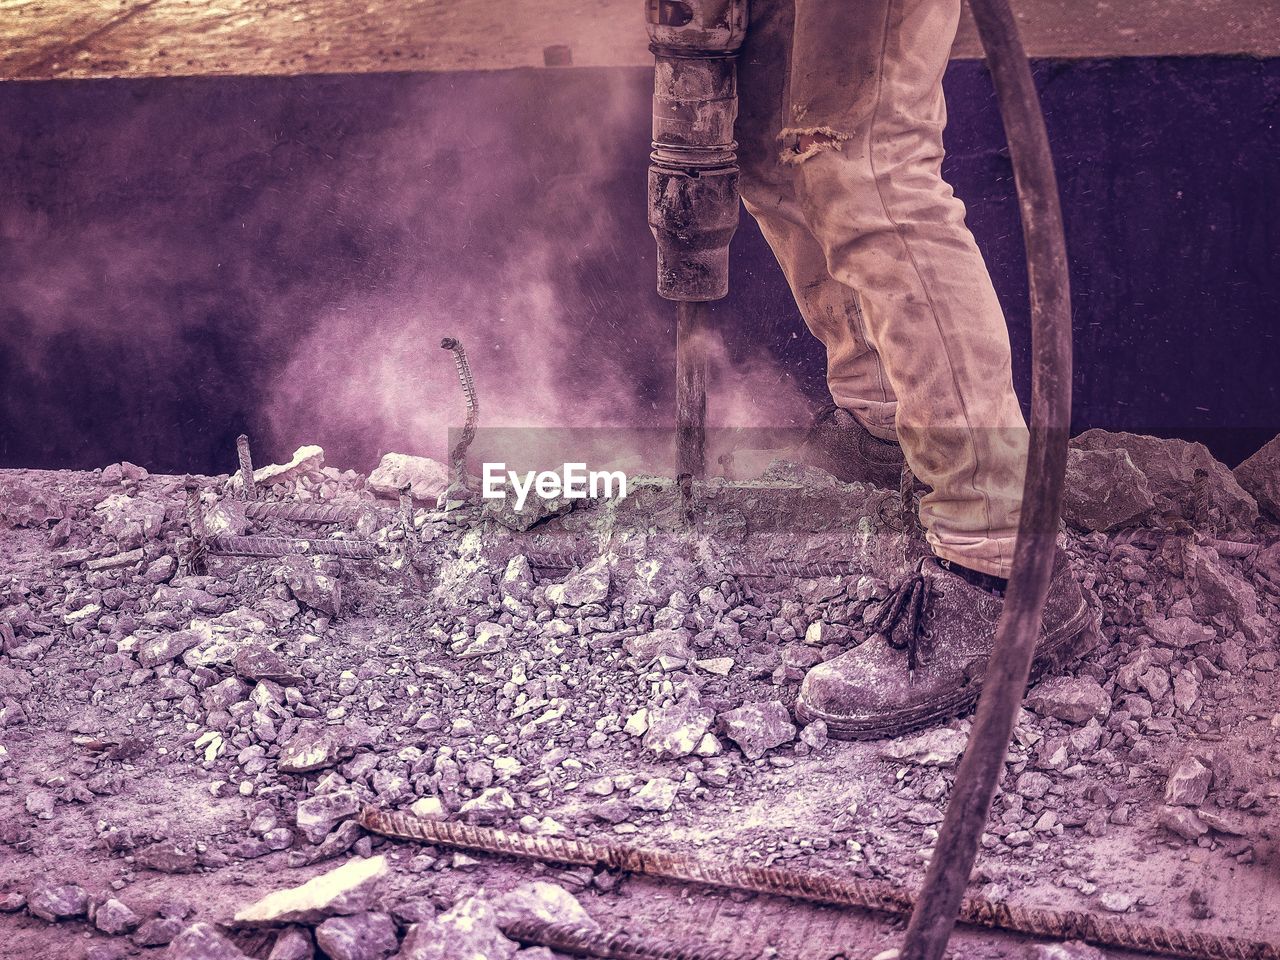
[231,546]
[248,489]
[799,570]
[1232,548]
[586,942]
[316,513]
[874,895]
[1201,500]
[406,508]
[195,527]
[458,455]
[551,560]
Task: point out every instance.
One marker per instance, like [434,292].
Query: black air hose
[938,906]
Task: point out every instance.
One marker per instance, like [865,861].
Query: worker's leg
[855,376]
[864,137]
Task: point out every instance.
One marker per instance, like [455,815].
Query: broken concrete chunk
[54,902]
[203,941]
[130,521]
[491,806]
[758,727]
[657,643]
[1222,823]
[428,808]
[1260,477]
[318,815]
[676,731]
[588,585]
[1070,950]
[226,518]
[168,646]
[158,931]
[344,890]
[1178,632]
[940,747]
[28,505]
[293,943]
[1188,783]
[1104,490]
[1170,468]
[543,902]
[656,796]
[161,569]
[361,936]
[1073,699]
[114,918]
[535,509]
[490,638]
[257,662]
[307,459]
[1182,821]
[310,587]
[467,932]
[1215,588]
[315,747]
[167,856]
[426,478]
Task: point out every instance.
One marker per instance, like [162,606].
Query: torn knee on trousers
[801,143]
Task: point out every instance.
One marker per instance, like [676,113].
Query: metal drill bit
[691,390]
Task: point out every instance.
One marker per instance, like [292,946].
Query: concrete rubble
[169,727]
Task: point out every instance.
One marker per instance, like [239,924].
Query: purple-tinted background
[182,260]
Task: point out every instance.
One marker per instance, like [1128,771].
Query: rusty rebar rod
[248,489]
[198,547]
[406,508]
[795,569]
[586,942]
[1233,549]
[458,455]
[874,895]
[231,546]
[317,513]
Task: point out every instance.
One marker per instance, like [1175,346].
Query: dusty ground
[53,38]
[152,720]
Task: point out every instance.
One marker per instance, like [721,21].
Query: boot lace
[901,617]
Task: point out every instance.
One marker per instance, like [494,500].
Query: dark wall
[182,260]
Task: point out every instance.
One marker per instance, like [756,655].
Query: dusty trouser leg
[855,375]
[864,137]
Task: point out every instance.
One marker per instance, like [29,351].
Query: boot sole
[1081,636]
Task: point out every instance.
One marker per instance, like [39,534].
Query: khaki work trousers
[840,139]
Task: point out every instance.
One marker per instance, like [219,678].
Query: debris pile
[611,668]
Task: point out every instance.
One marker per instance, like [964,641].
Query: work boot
[927,660]
[840,445]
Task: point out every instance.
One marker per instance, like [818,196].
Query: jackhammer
[693,212]
[693,186]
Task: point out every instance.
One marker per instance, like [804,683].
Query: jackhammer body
[693,185]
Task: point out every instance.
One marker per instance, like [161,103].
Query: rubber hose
[938,906]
